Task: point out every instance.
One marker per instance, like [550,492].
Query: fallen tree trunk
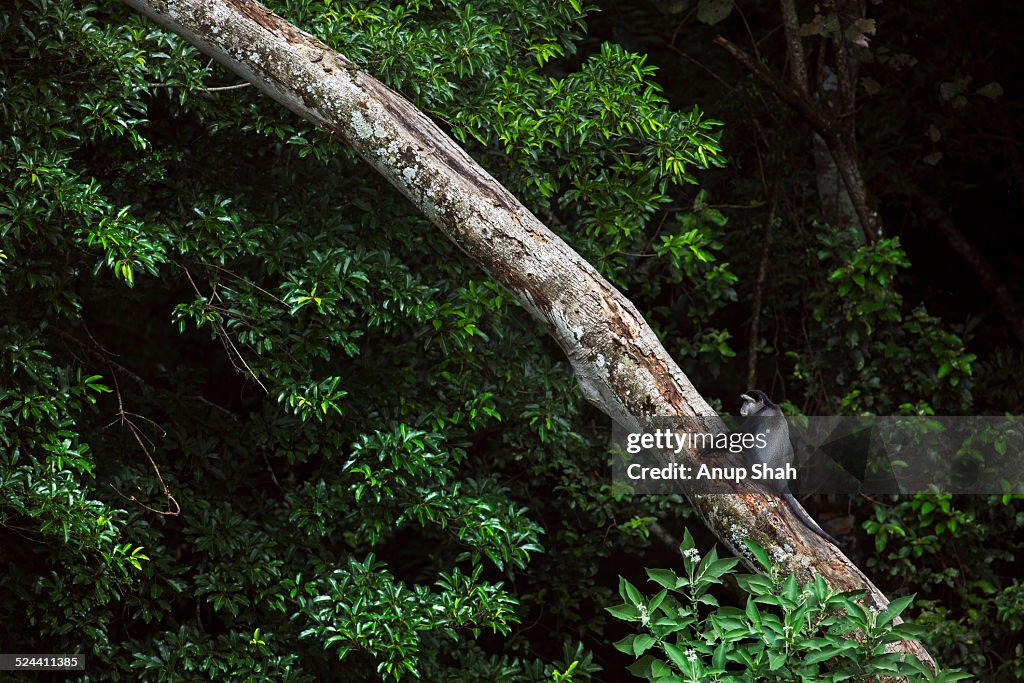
[619,362]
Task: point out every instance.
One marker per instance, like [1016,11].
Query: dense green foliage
[260,421]
[784,632]
[336,402]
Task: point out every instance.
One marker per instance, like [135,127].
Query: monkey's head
[754,401]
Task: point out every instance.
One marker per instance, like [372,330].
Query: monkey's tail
[806,520]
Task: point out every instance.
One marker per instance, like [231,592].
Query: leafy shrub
[783,632]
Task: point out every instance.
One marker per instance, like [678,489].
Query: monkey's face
[750,405]
[754,401]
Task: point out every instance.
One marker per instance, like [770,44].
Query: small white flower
[691,655]
[692,555]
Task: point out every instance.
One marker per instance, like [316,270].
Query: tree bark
[619,362]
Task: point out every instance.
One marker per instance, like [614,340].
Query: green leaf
[759,553]
[665,577]
[895,608]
